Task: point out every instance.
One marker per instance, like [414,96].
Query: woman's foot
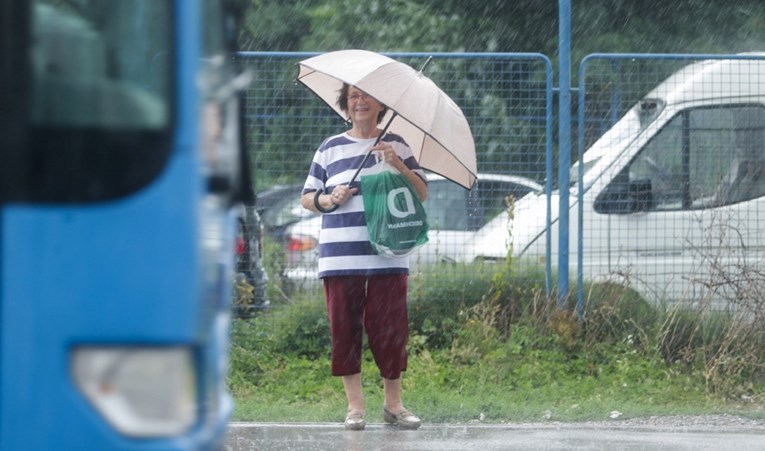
[355,421]
[403,419]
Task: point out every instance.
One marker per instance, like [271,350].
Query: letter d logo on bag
[393,208]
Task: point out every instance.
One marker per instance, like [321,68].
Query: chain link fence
[506,99]
[673,176]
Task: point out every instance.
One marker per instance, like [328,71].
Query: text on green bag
[393,208]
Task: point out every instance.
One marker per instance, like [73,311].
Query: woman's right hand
[342,194]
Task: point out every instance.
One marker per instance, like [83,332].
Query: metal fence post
[564,144]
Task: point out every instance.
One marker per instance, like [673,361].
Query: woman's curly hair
[342,102]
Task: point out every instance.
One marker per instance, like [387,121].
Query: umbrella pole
[377,141]
[353,179]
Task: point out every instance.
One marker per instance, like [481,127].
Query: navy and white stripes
[344,247]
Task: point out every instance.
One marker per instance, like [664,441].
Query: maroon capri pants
[376,304]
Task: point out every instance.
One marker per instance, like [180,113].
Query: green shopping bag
[396,220]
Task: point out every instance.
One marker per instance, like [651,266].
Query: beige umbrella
[418,110]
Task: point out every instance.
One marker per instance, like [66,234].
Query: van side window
[702,158]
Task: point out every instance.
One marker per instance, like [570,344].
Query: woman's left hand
[385,151]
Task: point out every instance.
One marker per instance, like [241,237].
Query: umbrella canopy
[428,119]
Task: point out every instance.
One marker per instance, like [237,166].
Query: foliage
[439,295]
[728,350]
[468,361]
[280,288]
[298,332]
[492,26]
[242,302]
[506,121]
[502,97]
[275,26]
[278,113]
[242,293]
[303,330]
[614,312]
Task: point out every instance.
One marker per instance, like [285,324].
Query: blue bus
[121,160]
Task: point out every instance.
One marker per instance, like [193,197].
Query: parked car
[270,197]
[454,214]
[674,192]
[250,275]
[279,207]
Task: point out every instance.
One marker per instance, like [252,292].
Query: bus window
[100,96]
[93,67]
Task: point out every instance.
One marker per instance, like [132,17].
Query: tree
[679,26]
[503,124]
[276,26]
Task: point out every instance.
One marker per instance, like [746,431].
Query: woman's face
[362,108]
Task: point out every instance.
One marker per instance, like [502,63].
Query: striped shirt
[344,247]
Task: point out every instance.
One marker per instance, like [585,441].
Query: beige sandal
[355,421]
[403,419]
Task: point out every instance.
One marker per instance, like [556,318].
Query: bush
[613,312]
[260,344]
[729,350]
[279,288]
[250,356]
[439,294]
[461,317]
[302,329]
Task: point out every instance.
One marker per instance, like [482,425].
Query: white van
[673,193]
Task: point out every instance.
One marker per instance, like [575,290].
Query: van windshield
[615,139]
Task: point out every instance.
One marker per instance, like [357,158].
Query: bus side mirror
[620,198]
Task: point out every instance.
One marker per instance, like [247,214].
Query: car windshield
[446,206]
[451,207]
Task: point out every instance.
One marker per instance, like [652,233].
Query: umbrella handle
[318,205]
[353,179]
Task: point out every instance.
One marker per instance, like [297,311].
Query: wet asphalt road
[542,436]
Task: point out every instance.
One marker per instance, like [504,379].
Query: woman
[363,290]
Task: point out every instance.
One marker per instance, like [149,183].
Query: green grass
[504,354]
[510,384]
[519,391]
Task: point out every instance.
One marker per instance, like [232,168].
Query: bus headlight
[141,391]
